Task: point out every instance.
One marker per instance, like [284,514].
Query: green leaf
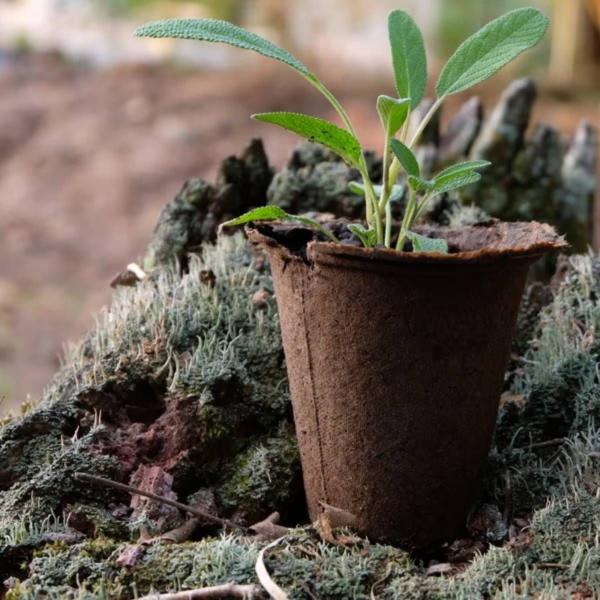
[368,237]
[215,30]
[406,157]
[276,213]
[490,49]
[396,194]
[454,182]
[262,213]
[462,167]
[343,143]
[420,243]
[418,184]
[392,112]
[459,175]
[408,56]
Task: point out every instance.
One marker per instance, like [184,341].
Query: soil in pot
[396,364]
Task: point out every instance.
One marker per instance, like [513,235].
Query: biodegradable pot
[396,364]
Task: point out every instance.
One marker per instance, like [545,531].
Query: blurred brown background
[99,129]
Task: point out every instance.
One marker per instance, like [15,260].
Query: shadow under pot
[396,364]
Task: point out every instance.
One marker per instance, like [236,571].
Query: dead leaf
[129,277]
[326,527]
[338,517]
[130,555]
[439,569]
[263,575]
[207,277]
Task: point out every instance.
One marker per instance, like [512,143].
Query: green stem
[370,196]
[388,225]
[317,227]
[334,102]
[422,206]
[426,119]
[407,219]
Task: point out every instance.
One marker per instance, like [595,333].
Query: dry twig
[227,590]
[269,528]
[184,507]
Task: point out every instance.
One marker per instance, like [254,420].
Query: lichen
[550,482]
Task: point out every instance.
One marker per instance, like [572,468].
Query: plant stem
[426,119]
[317,227]
[183,507]
[372,212]
[388,224]
[407,219]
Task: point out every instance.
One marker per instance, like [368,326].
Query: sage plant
[476,59]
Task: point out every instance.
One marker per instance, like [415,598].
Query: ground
[87,160]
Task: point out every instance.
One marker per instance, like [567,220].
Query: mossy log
[181,386]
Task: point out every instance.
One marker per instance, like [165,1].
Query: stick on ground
[184,507]
[227,590]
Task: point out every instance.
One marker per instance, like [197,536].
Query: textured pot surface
[396,364]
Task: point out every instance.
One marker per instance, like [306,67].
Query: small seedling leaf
[421,243]
[463,167]
[343,143]
[276,213]
[262,213]
[456,181]
[392,112]
[368,237]
[396,194]
[408,56]
[215,30]
[418,184]
[357,188]
[459,175]
[406,157]
[491,48]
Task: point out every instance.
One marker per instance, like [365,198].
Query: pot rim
[546,240]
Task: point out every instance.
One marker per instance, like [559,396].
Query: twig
[550,565]
[227,590]
[269,528]
[184,507]
[547,443]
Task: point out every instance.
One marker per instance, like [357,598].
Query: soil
[88,158]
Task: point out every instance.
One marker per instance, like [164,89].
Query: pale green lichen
[545,463]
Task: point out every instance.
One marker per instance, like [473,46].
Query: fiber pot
[396,364]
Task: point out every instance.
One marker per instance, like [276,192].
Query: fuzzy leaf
[490,49]
[454,182]
[406,157]
[408,56]
[392,112]
[459,175]
[420,243]
[368,237]
[262,213]
[215,30]
[418,184]
[359,189]
[276,213]
[462,167]
[343,143]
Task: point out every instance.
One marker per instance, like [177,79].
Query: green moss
[212,361]
[262,475]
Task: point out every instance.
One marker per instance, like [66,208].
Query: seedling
[476,59]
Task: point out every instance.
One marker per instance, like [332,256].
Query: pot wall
[395,370]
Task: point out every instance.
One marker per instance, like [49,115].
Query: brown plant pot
[396,364]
